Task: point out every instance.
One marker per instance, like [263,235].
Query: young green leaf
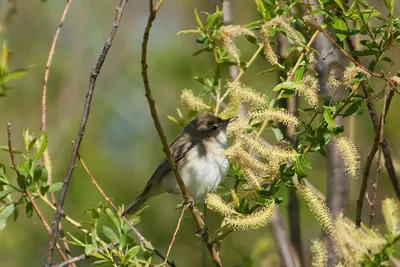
[5,213]
[42,146]
[55,187]
[29,209]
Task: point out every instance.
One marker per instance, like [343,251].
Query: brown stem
[46,155]
[93,77]
[175,233]
[199,222]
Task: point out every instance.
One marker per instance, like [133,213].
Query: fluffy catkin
[192,102]
[279,115]
[391,214]
[319,254]
[252,221]
[214,202]
[350,156]
[226,35]
[318,208]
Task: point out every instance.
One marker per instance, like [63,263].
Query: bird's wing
[179,151]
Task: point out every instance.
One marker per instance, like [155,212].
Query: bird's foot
[189,202]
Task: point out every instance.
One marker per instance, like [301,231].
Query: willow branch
[46,154]
[93,77]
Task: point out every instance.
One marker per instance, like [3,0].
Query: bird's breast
[202,171]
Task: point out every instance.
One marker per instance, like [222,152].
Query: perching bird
[198,154]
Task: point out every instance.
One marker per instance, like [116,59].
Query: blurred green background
[121,146]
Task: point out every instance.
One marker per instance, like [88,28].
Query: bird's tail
[135,205]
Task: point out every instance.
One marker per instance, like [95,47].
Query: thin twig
[380,137]
[241,72]
[93,77]
[48,65]
[134,230]
[175,233]
[202,229]
[46,154]
[31,199]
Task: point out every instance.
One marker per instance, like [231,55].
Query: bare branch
[175,233]
[93,77]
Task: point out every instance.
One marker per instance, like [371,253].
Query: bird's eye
[214,127]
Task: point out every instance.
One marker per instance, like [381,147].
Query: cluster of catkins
[259,162]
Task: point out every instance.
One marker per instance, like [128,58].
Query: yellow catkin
[278,115]
[333,81]
[214,202]
[352,243]
[351,72]
[318,208]
[226,35]
[350,156]
[189,100]
[237,154]
[237,127]
[319,254]
[252,221]
[309,88]
[391,213]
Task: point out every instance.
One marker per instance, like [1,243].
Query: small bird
[199,157]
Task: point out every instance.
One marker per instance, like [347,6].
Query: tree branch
[199,222]
[93,77]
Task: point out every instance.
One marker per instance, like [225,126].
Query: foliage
[260,170]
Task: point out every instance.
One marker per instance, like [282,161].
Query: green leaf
[14,75]
[353,108]
[130,254]
[188,31]
[328,117]
[261,8]
[299,169]
[2,171]
[109,233]
[5,213]
[284,85]
[278,133]
[6,192]
[89,249]
[206,49]
[340,4]
[111,216]
[196,14]
[26,136]
[298,75]
[305,162]
[42,146]
[4,57]
[213,19]
[76,240]
[93,232]
[55,187]
[44,189]
[29,209]
[390,5]
[339,24]
[5,148]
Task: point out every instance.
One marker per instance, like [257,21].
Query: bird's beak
[231,119]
